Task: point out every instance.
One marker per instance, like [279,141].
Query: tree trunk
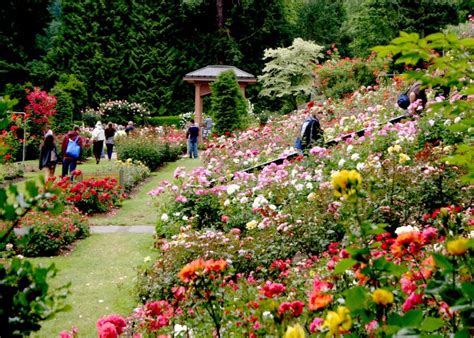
[220,14]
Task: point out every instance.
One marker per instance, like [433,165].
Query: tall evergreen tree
[228,104]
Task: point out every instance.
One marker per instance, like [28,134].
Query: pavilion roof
[211,72]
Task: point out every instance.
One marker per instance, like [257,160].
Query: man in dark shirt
[192,135]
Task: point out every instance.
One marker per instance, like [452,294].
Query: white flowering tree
[289,72]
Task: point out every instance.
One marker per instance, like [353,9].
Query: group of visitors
[73,145]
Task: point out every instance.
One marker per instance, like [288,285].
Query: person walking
[109,139]
[310,133]
[207,127]
[130,127]
[48,155]
[71,149]
[192,135]
[98,138]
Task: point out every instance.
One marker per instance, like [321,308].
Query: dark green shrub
[164,121]
[227,103]
[62,121]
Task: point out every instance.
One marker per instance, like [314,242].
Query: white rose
[164,218]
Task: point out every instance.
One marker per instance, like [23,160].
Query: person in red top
[69,163]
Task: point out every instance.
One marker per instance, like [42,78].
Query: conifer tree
[227,103]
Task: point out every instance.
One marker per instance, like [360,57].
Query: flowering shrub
[133,172]
[153,147]
[9,171]
[338,77]
[118,111]
[90,196]
[41,107]
[48,234]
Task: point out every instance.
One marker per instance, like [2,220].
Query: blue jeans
[68,165]
[193,149]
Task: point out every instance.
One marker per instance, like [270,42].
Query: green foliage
[62,121]
[289,72]
[26,297]
[321,21]
[377,22]
[228,104]
[165,121]
[455,63]
[70,84]
[20,23]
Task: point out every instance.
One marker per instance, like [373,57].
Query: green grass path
[102,268]
[140,209]
[102,272]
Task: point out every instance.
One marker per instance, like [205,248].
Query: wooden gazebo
[203,77]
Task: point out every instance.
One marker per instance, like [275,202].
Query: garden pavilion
[202,78]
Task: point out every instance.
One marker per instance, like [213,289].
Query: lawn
[102,272]
[140,209]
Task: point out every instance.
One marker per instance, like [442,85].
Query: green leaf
[344,265]
[412,318]
[432,324]
[358,254]
[356,298]
[442,262]
[462,334]
[468,289]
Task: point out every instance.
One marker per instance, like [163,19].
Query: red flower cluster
[111,326]
[91,196]
[293,309]
[158,314]
[271,289]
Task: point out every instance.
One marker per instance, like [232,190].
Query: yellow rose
[251,225]
[402,158]
[382,297]
[458,247]
[296,331]
[337,322]
[346,183]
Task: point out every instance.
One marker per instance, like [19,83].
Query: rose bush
[48,234]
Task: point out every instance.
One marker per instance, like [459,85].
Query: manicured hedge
[164,121]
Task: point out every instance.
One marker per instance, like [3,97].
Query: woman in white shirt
[98,138]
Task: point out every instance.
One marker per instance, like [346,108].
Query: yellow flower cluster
[394,149]
[337,322]
[346,183]
[458,246]
[251,225]
[402,158]
[296,331]
[382,297]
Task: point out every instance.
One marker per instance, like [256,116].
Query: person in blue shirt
[192,135]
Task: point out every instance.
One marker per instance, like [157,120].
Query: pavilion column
[198,104]
[242,89]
